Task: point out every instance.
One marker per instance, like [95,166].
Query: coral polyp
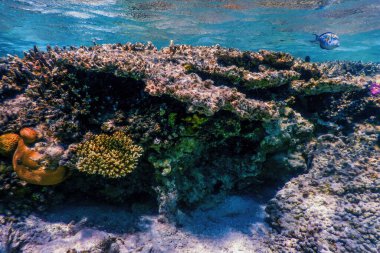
[111,156]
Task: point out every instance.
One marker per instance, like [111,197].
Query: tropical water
[246,24]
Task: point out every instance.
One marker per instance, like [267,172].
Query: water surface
[249,25]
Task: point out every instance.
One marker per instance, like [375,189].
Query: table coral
[111,156]
[329,85]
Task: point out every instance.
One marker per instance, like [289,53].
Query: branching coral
[112,156]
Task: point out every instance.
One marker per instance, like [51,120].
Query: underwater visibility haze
[190,126]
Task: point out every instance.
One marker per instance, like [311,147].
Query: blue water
[244,24]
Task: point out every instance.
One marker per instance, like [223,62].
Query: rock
[86,239]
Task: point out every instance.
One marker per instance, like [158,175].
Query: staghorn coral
[8,143]
[15,113]
[111,156]
[14,76]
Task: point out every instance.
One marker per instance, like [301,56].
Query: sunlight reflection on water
[248,25]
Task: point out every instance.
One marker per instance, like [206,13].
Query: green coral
[179,157]
[195,120]
[171,119]
[193,124]
[111,156]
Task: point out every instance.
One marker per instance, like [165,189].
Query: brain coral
[8,143]
[112,156]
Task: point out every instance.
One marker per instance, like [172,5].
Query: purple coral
[375,88]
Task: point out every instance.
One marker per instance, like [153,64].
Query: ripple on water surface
[249,25]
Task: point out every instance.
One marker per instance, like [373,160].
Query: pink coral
[375,88]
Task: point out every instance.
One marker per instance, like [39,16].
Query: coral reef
[210,120]
[110,156]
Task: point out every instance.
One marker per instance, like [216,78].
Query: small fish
[327,40]
[375,88]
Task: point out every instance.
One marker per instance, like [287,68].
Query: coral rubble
[183,123]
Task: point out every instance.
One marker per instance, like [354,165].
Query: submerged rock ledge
[200,123]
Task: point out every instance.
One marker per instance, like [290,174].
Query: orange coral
[26,163]
[29,135]
[8,143]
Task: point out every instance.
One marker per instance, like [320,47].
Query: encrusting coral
[27,165]
[8,143]
[30,165]
[112,156]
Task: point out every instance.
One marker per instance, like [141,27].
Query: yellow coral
[8,144]
[26,163]
[111,156]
